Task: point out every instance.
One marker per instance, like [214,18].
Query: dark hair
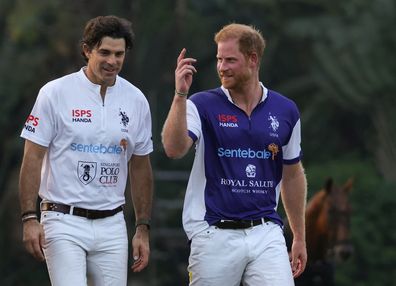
[106,26]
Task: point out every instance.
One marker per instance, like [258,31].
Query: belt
[90,214]
[240,224]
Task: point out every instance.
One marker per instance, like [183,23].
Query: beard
[234,81]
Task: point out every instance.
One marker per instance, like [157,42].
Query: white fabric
[75,246]
[263,97]
[223,256]
[292,149]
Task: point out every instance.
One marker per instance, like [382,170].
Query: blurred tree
[352,70]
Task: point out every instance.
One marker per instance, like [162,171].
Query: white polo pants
[76,247]
[256,256]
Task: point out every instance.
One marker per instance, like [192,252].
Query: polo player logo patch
[124,118]
[274,123]
[86,171]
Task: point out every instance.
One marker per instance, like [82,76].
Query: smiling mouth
[110,71]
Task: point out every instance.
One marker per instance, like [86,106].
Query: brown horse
[327,219]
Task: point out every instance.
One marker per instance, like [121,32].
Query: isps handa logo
[227,120]
[82,115]
[31,123]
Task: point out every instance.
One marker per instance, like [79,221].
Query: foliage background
[334,58]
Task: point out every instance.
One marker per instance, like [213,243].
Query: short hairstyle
[249,38]
[106,26]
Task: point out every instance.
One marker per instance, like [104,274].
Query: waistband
[90,214]
[240,224]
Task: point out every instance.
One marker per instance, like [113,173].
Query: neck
[247,98]
[103,89]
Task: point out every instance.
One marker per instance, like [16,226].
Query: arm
[175,135]
[294,193]
[29,183]
[141,180]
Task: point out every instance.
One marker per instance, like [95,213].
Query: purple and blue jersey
[238,163]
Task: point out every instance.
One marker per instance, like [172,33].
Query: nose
[111,59]
[221,66]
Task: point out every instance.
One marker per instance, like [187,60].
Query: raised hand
[184,72]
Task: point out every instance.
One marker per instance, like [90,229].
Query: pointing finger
[181,55]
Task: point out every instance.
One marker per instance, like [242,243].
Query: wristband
[28,213]
[145,222]
[181,94]
[30,216]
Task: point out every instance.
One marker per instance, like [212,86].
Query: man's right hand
[33,238]
[184,72]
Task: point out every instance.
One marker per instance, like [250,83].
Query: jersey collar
[227,93]
[93,86]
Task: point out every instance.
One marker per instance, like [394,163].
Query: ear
[86,50]
[328,185]
[253,59]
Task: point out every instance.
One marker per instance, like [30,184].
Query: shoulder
[129,89]
[60,82]
[280,104]
[52,89]
[280,99]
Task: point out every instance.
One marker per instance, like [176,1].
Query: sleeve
[144,142]
[41,123]
[193,121]
[292,150]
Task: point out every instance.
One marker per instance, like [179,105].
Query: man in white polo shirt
[86,130]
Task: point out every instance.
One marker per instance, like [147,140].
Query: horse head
[339,213]
[328,223]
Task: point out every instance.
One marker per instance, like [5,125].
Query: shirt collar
[265,93]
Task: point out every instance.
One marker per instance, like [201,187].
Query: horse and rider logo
[274,125]
[86,171]
[124,118]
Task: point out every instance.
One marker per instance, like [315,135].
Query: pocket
[205,234]
[48,216]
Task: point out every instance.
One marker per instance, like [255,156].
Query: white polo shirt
[89,140]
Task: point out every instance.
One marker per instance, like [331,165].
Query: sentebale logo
[94,148]
[243,153]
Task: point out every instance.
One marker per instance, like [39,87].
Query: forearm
[294,192]
[30,176]
[141,186]
[175,137]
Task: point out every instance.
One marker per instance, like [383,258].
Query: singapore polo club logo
[124,120]
[86,171]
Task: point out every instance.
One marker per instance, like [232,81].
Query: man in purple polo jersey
[248,153]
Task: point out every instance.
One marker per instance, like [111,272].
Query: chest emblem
[250,171]
[124,118]
[274,123]
[86,171]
